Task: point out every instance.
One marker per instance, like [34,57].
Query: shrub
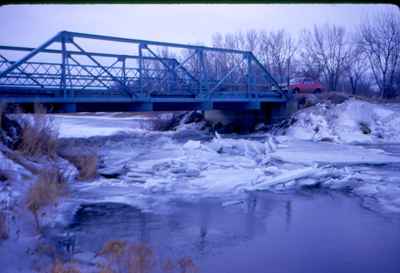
[50,185]
[85,163]
[3,227]
[39,134]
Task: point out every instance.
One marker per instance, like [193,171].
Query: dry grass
[333,97]
[113,249]
[377,99]
[59,267]
[140,258]
[124,257]
[186,265]
[168,266]
[50,185]
[85,163]
[39,135]
[3,227]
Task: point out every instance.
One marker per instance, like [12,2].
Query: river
[227,228]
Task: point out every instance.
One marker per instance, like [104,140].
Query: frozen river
[258,203]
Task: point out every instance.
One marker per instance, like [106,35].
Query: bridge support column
[206,106]
[69,107]
[245,119]
[276,112]
[238,121]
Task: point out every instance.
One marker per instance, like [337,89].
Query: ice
[317,150]
[285,177]
[307,152]
[89,125]
[191,144]
[242,147]
[164,169]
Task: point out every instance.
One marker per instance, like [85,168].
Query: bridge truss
[142,75]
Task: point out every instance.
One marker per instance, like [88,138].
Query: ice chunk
[307,152]
[285,177]
[192,144]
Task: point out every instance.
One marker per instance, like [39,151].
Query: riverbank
[150,174]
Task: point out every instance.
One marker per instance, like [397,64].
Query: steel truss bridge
[74,72]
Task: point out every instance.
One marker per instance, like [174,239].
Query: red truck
[305,85]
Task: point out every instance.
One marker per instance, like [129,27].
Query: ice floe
[318,150]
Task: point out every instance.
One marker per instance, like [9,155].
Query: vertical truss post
[141,46]
[174,75]
[268,76]
[123,60]
[250,75]
[203,74]
[63,82]
[68,71]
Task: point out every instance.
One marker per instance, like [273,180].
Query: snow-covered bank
[352,121]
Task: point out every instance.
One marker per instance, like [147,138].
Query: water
[295,231]
[308,231]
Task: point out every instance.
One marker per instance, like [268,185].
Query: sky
[31,25]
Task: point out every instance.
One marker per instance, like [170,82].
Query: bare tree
[380,40]
[276,50]
[325,50]
[234,64]
[356,68]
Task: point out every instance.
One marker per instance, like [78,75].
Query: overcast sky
[32,25]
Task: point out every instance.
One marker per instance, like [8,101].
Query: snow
[11,168]
[344,123]
[88,126]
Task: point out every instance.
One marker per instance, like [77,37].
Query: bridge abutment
[245,120]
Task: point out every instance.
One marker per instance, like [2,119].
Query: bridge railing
[72,71]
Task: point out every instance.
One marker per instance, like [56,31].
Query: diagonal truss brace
[30,55]
[171,69]
[23,72]
[102,67]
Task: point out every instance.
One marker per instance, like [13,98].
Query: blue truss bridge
[75,72]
